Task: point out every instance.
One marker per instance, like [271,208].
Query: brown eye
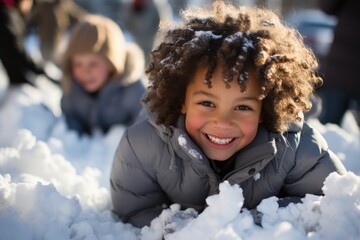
[243,108]
[207,104]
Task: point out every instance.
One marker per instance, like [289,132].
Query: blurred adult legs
[335,103]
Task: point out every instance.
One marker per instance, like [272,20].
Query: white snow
[208,34]
[182,141]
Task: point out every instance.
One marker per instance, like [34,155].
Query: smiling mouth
[220,141]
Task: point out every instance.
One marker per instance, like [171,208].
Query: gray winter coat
[155,166]
[114,104]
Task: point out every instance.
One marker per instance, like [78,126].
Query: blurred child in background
[103,77]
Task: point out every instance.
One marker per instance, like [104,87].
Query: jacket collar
[178,141]
[263,146]
[297,126]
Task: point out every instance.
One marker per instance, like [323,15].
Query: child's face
[91,71]
[221,120]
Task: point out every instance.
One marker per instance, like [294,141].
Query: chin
[216,157]
[91,89]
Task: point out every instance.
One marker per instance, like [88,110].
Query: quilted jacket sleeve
[136,196]
[313,163]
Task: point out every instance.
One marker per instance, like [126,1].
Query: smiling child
[103,77]
[226,99]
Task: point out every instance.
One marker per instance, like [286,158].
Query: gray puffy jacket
[156,166]
[114,104]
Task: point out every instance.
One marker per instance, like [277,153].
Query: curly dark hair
[238,39]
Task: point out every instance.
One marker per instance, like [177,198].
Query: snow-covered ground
[54,184]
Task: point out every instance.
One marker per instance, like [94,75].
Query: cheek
[78,73]
[194,122]
[249,129]
[101,73]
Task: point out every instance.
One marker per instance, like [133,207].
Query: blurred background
[49,23]
[139,17]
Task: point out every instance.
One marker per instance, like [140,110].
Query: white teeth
[220,140]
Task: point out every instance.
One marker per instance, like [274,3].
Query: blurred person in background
[103,77]
[141,18]
[341,88]
[52,19]
[18,65]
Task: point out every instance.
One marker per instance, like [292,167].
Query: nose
[223,120]
[85,72]
[87,69]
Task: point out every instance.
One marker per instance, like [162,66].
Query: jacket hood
[134,68]
[134,65]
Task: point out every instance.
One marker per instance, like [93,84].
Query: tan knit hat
[96,34]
